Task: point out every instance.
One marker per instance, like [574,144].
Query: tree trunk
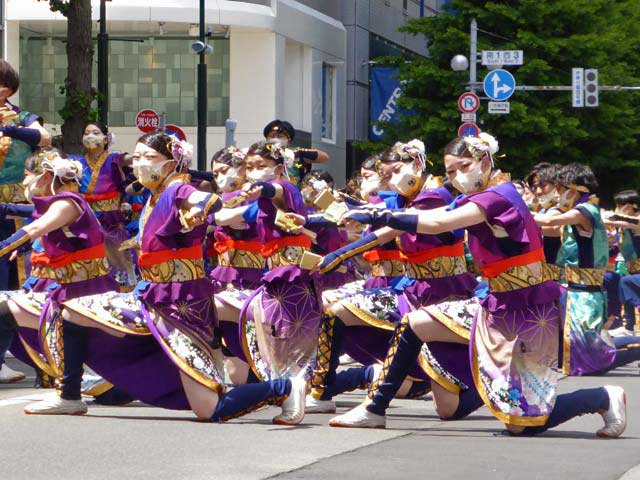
[79,91]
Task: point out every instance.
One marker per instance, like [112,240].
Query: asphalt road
[139,442]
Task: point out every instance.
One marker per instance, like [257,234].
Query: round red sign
[148,121]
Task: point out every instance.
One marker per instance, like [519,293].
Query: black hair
[265,149]
[8,76]
[394,154]
[318,175]
[458,148]
[578,174]
[543,172]
[281,125]
[370,162]
[101,126]
[225,156]
[159,141]
[627,197]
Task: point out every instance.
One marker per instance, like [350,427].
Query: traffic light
[591,87]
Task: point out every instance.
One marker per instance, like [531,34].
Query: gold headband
[580,188]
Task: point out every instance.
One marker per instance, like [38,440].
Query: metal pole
[103,65]
[421,8]
[2,28]
[202,98]
[473,54]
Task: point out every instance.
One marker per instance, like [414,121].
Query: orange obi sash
[238,253]
[455,250]
[104,202]
[492,270]
[92,253]
[264,249]
[72,267]
[148,259]
[385,263]
[520,271]
[381,255]
[167,266]
[439,262]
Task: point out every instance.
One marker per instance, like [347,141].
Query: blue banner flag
[385,92]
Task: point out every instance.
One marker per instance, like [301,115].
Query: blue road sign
[468,130]
[499,85]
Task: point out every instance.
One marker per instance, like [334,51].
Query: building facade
[304,61]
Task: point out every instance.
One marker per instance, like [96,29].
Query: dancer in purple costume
[180,367]
[279,323]
[435,269]
[102,184]
[70,262]
[514,336]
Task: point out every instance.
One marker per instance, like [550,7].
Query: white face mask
[564,202]
[92,142]
[370,186]
[469,182]
[30,188]
[406,182]
[229,181]
[263,175]
[547,200]
[150,174]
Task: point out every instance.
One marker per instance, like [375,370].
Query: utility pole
[473,55]
[103,65]
[202,97]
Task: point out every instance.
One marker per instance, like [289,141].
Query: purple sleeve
[293,198]
[171,225]
[500,211]
[429,200]
[117,175]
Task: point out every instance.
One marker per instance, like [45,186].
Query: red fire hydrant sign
[148,121]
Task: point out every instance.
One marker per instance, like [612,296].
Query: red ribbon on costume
[492,270]
[92,253]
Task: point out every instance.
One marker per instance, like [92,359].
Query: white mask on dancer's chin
[406,182]
[149,174]
[548,199]
[263,175]
[470,182]
[230,181]
[92,142]
[564,202]
[370,186]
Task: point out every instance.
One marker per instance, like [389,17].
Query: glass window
[328,101]
[158,73]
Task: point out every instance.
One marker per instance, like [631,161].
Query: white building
[303,61]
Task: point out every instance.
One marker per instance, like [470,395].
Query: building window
[158,73]
[328,102]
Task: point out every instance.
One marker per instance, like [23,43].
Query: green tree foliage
[555,36]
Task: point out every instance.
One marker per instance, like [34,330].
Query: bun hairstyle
[273,150]
[318,179]
[33,164]
[458,148]
[231,156]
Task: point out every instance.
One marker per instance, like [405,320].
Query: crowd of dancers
[222,292]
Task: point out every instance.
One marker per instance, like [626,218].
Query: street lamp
[201,49]
[459,63]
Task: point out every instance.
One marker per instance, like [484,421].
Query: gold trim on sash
[387,268]
[108,205]
[241,259]
[590,277]
[519,277]
[77,271]
[12,192]
[441,267]
[176,270]
[286,257]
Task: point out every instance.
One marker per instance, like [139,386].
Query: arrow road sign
[468,130]
[468,102]
[499,85]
